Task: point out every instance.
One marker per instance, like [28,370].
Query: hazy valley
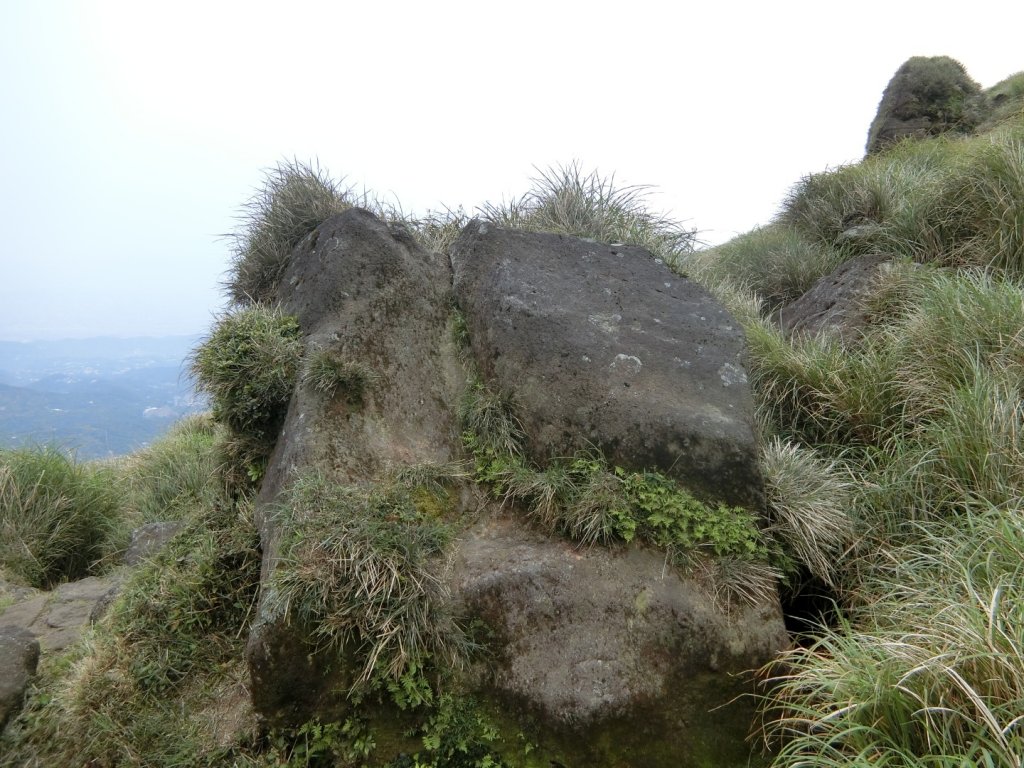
[97,397]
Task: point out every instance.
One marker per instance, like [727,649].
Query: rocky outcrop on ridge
[592,641]
[927,96]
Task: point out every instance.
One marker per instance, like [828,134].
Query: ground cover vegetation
[893,462]
[922,413]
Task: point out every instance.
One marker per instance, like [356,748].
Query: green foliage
[331,374]
[567,202]
[361,569]
[173,477]
[457,735]
[592,503]
[294,200]
[148,677]
[314,744]
[775,262]
[58,517]
[249,366]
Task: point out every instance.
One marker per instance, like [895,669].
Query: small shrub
[249,366]
[565,201]
[58,517]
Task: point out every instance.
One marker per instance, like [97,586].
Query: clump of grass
[437,230]
[931,675]
[566,201]
[810,500]
[818,390]
[954,320]
[331,374]
[58,517]
[988,195]
[249,366]
[294,200]
[895,202]
[775,262]
[1005,100]
[172,478]
[363,570]
[147,684]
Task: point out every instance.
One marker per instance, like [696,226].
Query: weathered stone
[149,539]
[603,347]
[368,294]
[598,640]
[19,655]
[927,96]
[836,302]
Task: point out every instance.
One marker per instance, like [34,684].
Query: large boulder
[602,346]
[927,96]
[837,302]
[608,641]
[589,651]
[367,294]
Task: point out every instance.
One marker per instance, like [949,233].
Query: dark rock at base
[19,656]
[599,641]
[836,302]
[603,347]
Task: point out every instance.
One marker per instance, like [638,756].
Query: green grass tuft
[59,518]
[363,570]
[249,366]
[331,374]
[567,202]
[294,200]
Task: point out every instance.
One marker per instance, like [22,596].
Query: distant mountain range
[96,397]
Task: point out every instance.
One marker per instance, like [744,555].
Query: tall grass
[566,201]
[175,476]
[775,262]
[933,674]
[295,198]
[58,517]
[363,570]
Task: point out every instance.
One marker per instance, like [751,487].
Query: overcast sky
[133,131]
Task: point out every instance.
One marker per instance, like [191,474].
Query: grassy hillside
[894,460]
[924,664]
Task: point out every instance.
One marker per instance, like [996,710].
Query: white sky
[132,131]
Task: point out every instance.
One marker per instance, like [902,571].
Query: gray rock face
[370,295]
[591,637]
[19,655]
[603,347]
[835,303]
